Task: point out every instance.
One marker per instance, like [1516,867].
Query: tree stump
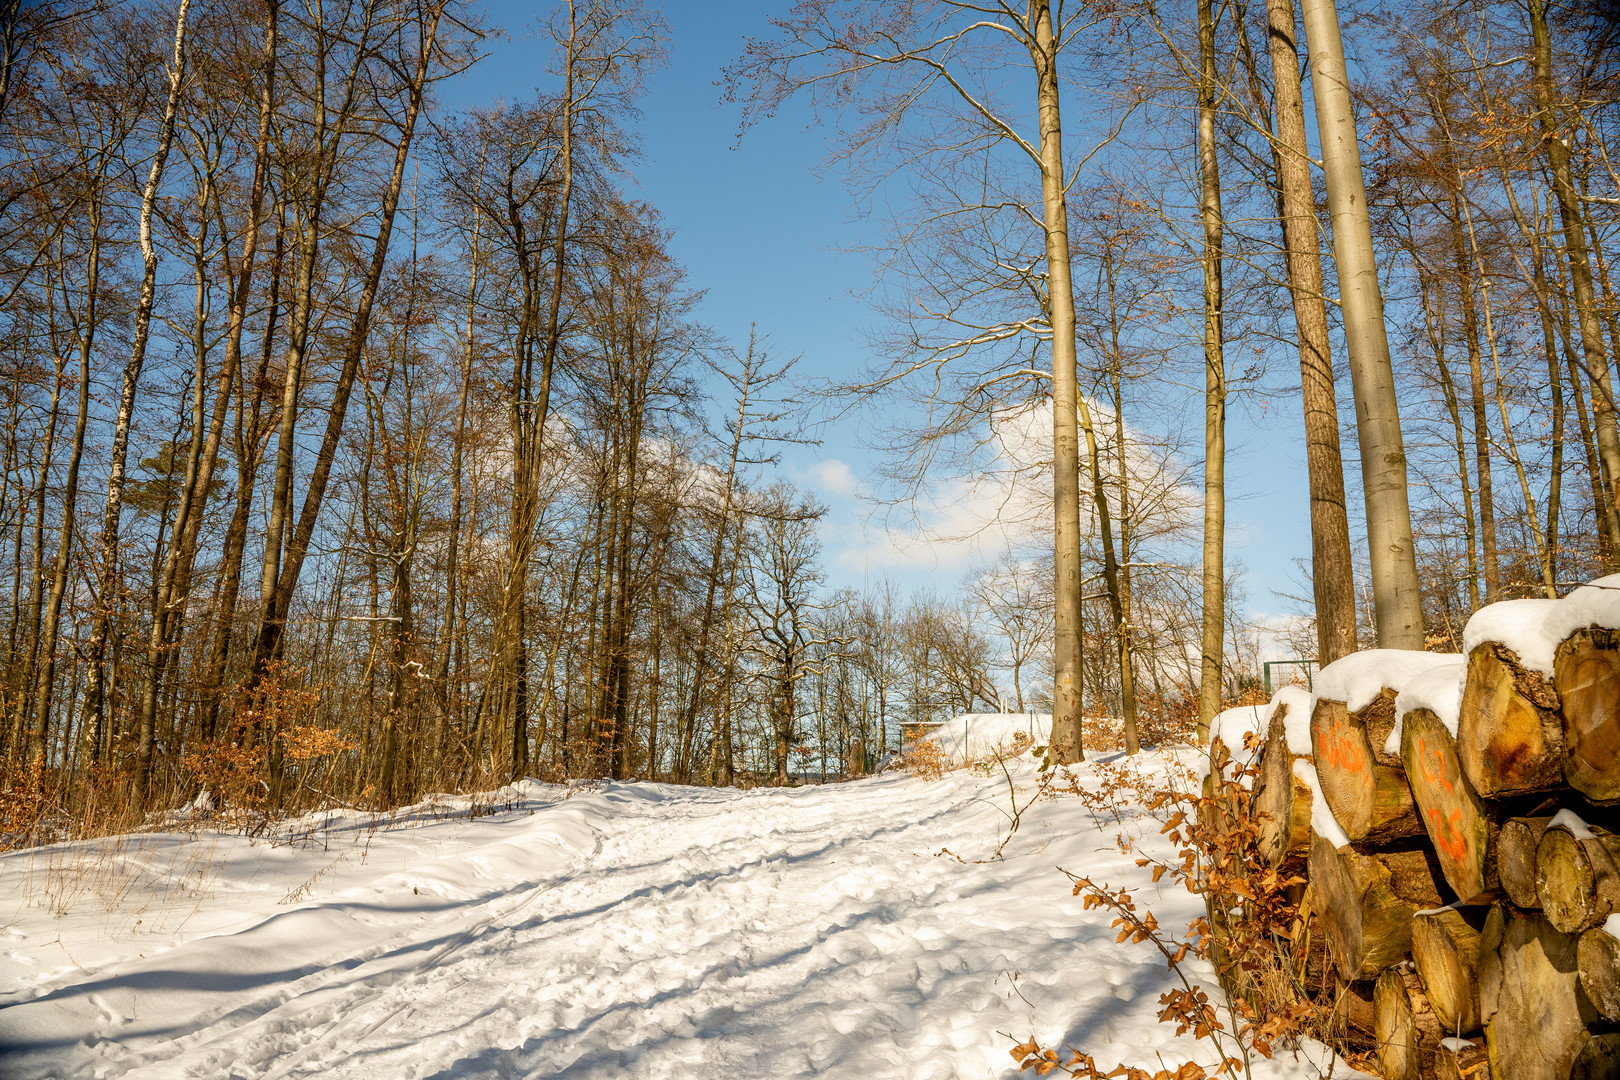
[1282,802]
[1456,818]
[1577,876]
[1445,951]
[1586,674]
[1366,902]
[1536,1015]
[1459,1059]
[1597,961]
[1510,737]
[1369,798]
[1407,1031]
[1516,844]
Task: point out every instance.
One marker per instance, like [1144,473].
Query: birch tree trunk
[126,404]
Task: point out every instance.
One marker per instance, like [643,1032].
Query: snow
[1297,720]
[1611,926]
[604,930]
[1534,629]
[1456,1045]
[1439,689]
[1234,726]
[1356,679]
[974,736]
[1323,823]
[1571,822]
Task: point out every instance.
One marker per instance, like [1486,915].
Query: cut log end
[1456,819]
[1577,878]
[1597,960]
[1405,1028]
[1536,1017]
[1516,845]
[1366,903]
[1371,801]
[1586,674]
[1445,950]
[1510,738]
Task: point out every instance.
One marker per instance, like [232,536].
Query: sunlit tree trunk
[1397,598]
[1211,642]
[1332,579]
[1066,739]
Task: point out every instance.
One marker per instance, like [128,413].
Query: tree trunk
[1332,582]
[1580,274]
[1211,645]
[1397,597]
[1066,743]
[274,617]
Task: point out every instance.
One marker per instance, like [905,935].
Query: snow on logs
[1285,789]
[1458,819]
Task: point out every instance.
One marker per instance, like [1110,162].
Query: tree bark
[126,409]
[1332,580]
[1397,597]
[1211,644]
[1066,741]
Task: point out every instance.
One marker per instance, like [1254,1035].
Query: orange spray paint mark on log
[1432,763]
[1448,834]
[1341,750]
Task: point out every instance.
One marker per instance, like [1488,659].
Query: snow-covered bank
[634,928]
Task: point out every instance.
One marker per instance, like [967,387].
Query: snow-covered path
[641,929]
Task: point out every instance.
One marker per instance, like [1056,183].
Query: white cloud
[833,477]
[1004,504]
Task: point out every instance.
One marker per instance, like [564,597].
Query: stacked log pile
[1457,818]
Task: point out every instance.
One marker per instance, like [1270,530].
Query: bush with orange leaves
[1257,933]
[247,773]
[23,804]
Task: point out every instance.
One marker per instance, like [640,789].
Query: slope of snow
[602,931]
[977,735]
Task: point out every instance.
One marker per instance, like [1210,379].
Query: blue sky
[759,231]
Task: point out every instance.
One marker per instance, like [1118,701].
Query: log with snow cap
[1514,733]
[1286,786]
[1351,723]
[1577,873]
[1586,674]
[1460,825]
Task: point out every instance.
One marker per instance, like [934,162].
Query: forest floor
[865,930]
